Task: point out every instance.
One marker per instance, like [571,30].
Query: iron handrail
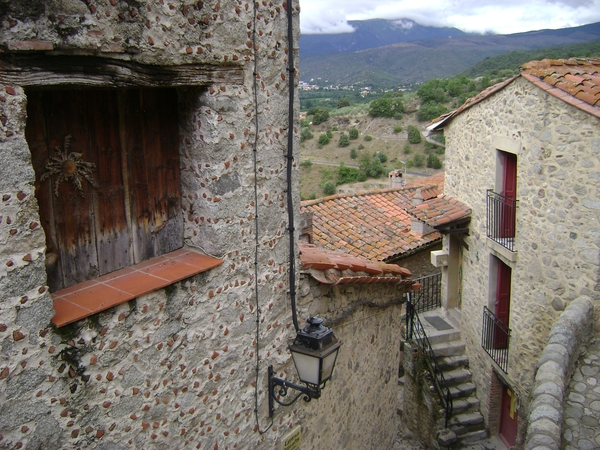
[416,332]
[429,295]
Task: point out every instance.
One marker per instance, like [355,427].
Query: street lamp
[314,352]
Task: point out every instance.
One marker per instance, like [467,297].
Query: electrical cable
[290,160]
[256,227]
[355,306]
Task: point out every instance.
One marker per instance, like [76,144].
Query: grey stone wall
[177,367]
[360,402]
[568,338]
[185,366]
[421,407]
[420,263]
[557,231]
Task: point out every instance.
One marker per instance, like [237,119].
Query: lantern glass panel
[328,365]
[307,367]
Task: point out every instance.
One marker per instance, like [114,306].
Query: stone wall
[361,400]
[420,263]
[176,367]
[567,340]
[557,234]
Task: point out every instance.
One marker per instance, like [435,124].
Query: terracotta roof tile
[440,211]
[376,224]
[335,267]
[575,81]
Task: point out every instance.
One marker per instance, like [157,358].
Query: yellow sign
[292,440]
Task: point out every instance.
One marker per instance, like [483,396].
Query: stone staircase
[466,421]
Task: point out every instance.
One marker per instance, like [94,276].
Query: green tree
[319,114]
[390,105]
[323,139]
[347,174]
[382,157]
[398,129]
[343,102]
[376,168]
[414,135]
[368,138]
[406,149]
[329,188]
[305,134]
[418,160]
[434,162]
[329,134]
[432,91]
[344,140]
[353,153]
[364,163]
[430,110]
[353,133]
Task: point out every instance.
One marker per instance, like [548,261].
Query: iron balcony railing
[429,295]
[416,332]
[501,219]
[495,338]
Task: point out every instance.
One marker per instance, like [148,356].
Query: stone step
[463,390]
[452,348]
[464,405]
[453,362]
[471,438]
[457,376]
[466,423]
[438,337]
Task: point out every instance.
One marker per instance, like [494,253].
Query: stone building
[148,255]
[525,156]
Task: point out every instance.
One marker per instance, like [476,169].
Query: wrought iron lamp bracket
[284,385]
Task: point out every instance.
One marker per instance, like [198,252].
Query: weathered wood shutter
[133,212]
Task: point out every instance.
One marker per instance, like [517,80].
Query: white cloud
[509,16]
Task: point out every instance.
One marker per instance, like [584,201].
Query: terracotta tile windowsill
[90,297]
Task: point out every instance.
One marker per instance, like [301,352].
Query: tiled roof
[575,81]
[440,210]
[376,224]
[336,267]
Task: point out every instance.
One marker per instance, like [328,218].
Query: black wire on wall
[290,193]
[290,161]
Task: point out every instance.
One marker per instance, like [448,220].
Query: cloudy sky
[496,16]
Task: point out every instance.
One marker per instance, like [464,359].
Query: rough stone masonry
[184,366]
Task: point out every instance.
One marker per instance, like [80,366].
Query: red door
[509,191]
[508,417]
[502,305]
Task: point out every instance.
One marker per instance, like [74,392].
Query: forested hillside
[407,63]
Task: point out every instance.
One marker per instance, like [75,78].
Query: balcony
[495,338]
[501,219]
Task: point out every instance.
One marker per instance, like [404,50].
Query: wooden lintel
[91,71]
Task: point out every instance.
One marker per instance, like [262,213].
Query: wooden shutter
[133,210]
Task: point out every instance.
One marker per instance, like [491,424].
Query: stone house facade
[147,250]
[525,156]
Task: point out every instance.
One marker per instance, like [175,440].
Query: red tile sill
[90,297]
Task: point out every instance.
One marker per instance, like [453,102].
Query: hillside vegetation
[350,144]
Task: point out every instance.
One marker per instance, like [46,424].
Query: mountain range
[388,53]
